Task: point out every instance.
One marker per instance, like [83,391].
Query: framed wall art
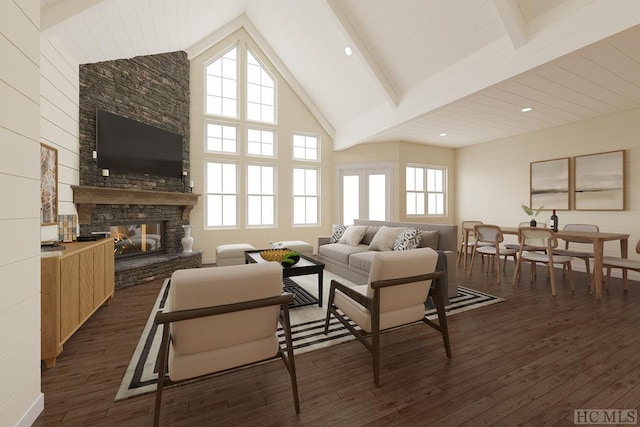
[48,185]
[550,184]
[599,181]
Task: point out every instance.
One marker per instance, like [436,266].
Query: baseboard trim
[33,413]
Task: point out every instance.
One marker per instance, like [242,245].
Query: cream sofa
[354,262]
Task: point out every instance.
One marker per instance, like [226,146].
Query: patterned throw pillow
[408,239]
[337,231]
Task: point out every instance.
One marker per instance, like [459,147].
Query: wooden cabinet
[73,286]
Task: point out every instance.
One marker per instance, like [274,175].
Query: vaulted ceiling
[419,69]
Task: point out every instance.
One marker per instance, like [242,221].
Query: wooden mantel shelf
[87,197]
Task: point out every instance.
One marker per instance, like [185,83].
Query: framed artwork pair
[589,182]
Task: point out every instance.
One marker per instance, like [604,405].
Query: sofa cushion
[429,239]
[361,261]
[337,231]
[340,253]
[408,239]
[370,234]
[385,238]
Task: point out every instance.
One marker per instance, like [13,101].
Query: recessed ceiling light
[526,109]
[443,134]
[348,51]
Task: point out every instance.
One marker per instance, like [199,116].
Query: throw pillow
[353,235]
[337,231]
[408,239]
[429,239]
[385,238]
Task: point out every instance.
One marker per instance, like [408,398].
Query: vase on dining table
[187,240]
[533,222]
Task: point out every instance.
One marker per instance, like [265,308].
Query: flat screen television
[129,145]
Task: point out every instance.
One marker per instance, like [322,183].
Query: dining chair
[468,242]
[537,245]
[395,294]
[610,262]
[489,240]
[221,318]
[586,256]
[516,246]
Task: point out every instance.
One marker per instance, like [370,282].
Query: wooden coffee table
[305,266]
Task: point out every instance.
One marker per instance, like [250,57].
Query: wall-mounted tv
[128,145]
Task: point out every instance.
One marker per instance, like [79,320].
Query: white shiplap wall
[20,397]
[59,100]
[493,178]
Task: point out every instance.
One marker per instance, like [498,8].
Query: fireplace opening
[137,239]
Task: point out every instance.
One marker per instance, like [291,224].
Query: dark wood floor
[530,360]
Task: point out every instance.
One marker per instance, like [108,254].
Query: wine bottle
[554,221]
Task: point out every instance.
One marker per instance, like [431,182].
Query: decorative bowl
[285,257]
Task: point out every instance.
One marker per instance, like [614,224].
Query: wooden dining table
[597,239]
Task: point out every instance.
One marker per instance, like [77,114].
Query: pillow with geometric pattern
[408,239]
[337,231]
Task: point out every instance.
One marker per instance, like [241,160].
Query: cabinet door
[87,269]
[69,296]
[109,268]
[99,293]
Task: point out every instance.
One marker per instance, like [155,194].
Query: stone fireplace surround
[101,207]
[152,89]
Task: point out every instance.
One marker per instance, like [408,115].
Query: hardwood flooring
[531,360]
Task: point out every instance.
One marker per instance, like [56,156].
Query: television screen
[128,145]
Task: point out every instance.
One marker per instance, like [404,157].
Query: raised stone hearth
[138,270]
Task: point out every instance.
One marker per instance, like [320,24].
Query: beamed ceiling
[419,67]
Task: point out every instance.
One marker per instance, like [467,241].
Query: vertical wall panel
[20,397]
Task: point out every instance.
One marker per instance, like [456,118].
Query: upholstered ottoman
[232,254]
[295,245]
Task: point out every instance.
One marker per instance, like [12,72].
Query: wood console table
[73,286]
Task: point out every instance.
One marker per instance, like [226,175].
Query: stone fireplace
[152,89]
[126,212]
[133,239]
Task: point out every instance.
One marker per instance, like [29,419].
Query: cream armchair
[220,318]
[399,284]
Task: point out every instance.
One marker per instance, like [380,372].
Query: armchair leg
[332,290]
[375,337]
[438,300]
[164,350]
[289,360]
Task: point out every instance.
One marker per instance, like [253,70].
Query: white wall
[20,397]
[59,82]
[493,178]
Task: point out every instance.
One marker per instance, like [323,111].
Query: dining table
[597,239]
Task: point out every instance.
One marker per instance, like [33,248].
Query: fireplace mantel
[87,197]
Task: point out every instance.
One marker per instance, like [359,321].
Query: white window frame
[305,196]
[261,142]
[426,188]
[222,194]
[223,125]
[261,194]
[363,171]
[222,97]
[262,89]
[304,147]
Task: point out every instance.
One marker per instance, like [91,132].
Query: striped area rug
[142,374]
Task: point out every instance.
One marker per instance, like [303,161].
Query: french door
[364,194]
